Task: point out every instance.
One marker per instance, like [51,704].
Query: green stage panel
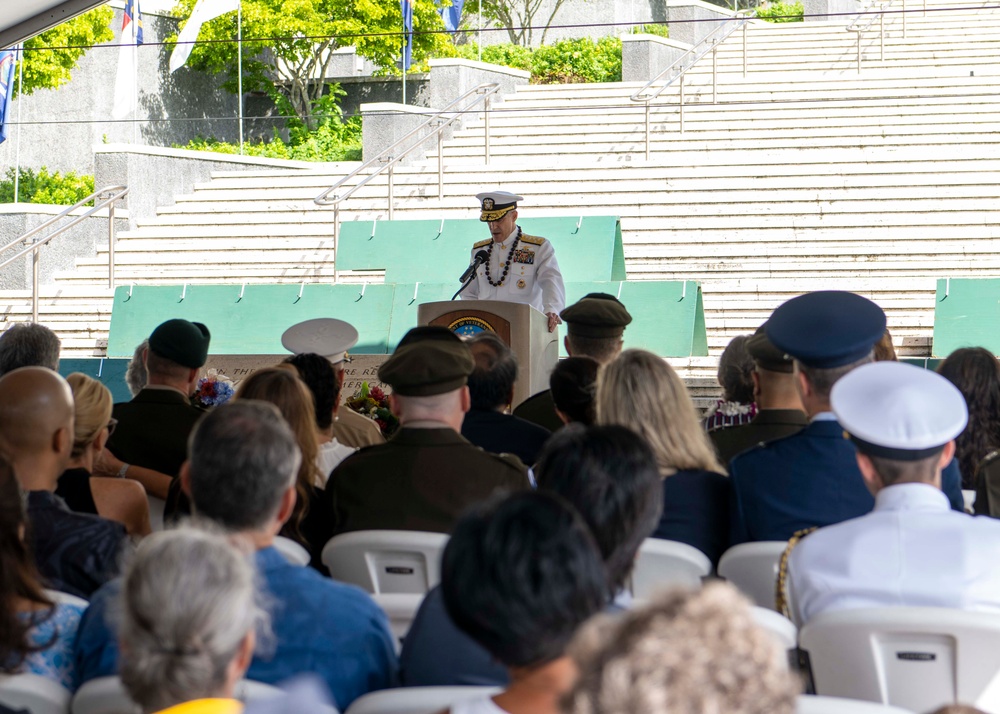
[254,323]
[588,248]
[109,372]
[966,314]
[406,301]
[668,317]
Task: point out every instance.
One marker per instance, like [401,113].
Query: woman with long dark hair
[976,373]
[36,634]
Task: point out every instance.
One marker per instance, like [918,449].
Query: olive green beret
[427,368]
[596,315]
[183,342]
[766,355]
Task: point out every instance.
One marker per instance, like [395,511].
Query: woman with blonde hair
[120,500]
[311,523]
[641,391]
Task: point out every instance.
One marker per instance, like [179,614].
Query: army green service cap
[183,342]
[766,355]
[427,368]
[596,315]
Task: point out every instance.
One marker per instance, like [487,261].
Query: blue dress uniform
[812,478]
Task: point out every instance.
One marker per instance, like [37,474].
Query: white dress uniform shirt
[912,550]
[537,283]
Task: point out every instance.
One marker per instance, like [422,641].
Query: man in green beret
[779,406]
[153,428]
[427,474]
[594,328]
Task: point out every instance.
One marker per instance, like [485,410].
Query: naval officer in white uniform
[520,268]
[912,550]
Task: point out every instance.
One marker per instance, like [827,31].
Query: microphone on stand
[480,258]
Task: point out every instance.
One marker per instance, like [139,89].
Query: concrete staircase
[803,175]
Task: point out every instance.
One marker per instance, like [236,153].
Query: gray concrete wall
[578,18]
[690,21]
[60,254]
[646,56]
[374,90]
[155,176]
[819,9]
[450,78]
[386,123]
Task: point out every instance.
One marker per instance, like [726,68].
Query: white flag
[128,61]
[204,11]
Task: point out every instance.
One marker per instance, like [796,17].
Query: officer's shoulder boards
[482,243]
[531,240]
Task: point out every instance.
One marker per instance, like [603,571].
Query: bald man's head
[36,424]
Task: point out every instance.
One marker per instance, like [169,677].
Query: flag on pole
[128,61]
[204,11]
[8,60]
[407,7]
[452,16]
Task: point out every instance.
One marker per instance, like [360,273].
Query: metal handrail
[872,16]
[117,192]
[679,67]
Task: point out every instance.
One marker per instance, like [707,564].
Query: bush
[660,30]
[333,141]
[780,12]
[581,60]
[45,187]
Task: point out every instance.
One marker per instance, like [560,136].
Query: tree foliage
[518,17]
[288,45]
[51,56]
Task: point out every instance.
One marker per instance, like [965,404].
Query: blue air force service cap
[826,329]
[898,411]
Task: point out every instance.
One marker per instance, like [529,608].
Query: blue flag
[452,16]
[8,60]
[407,7]
[131,15]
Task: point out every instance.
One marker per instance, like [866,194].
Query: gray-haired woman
[189,616]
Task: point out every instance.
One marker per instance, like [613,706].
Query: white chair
[292,551]
[917,658]
[812,704]
[386,561]
[665,563]
[778,625]
[417,700]
[401,609]
[57,596]
[753,568]
[156,508]
[39,695]
[107,695]
[969,498]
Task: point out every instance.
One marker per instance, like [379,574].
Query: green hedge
[780,12]
[330,142]
[44,187]
[566,61]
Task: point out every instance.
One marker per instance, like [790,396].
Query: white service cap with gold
[496,204]
[326,336]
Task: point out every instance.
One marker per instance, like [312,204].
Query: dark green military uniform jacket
[540,409]
[420,480]
[153,429]
[768,425]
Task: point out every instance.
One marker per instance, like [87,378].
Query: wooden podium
[522,327]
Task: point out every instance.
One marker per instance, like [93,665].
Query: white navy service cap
[326,336]
[494,205]
[898,411]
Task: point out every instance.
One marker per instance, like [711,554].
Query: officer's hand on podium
[553,321]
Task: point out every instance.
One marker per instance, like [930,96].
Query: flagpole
[479,34]
[403,58]
[135,72]
[239,65]
[17,145]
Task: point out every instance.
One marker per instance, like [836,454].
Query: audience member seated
[520,576]
[779,406]
[154,427]
[28,344]
[310,523]
[573,384]
[491,391]
[74,552]
[684,652]
[609,474]
[37,634]
[135,374]
[912,549]
[427,475]
[811,478]
[594,328]
[884,350]
[642,392]
[976,374]
[736,407]
[186,654]
[331,338]
[241,478]
[318,375]
[118,500]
